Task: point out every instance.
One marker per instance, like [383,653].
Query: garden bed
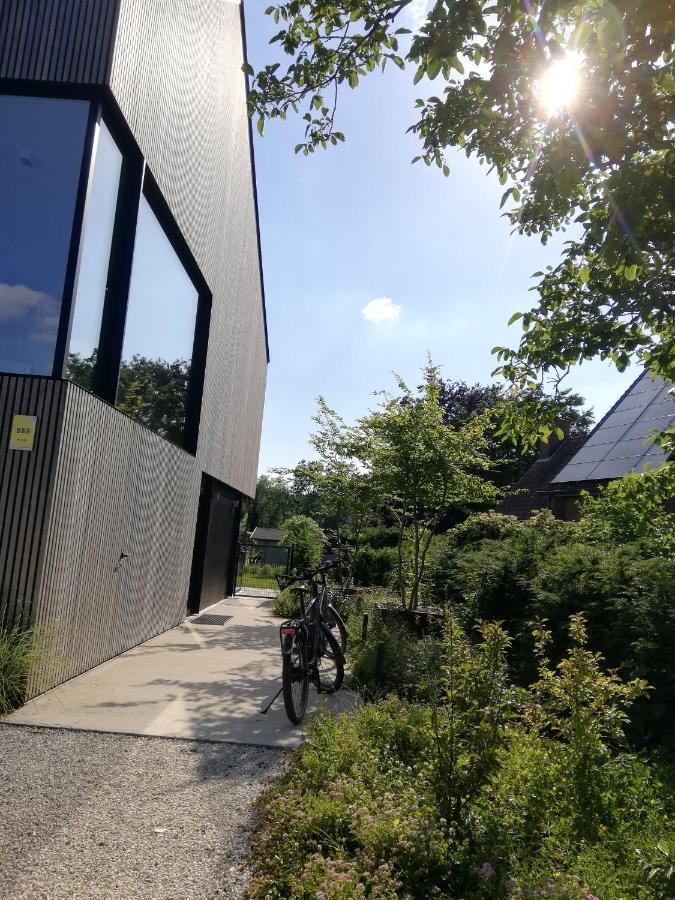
[423,621]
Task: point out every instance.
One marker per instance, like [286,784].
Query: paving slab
[199,682]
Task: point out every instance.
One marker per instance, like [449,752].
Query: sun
[558,86]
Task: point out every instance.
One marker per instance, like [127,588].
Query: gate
[257,568]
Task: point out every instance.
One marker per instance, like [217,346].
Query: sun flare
[559,85]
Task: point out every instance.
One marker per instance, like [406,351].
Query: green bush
[391,660]
[485,525]
[374,566]
[494,567]
[485,791]
[306,538]
[633,508]
[20,650]
[286,604]
[379,537]
[628,603]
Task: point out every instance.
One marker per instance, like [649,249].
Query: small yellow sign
[22,435]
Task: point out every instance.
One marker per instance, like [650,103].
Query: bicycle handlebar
[307,574]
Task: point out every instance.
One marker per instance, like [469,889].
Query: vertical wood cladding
[174,68]
[97,484]
[26,478]
[56,40]
[118,489]
[176,75]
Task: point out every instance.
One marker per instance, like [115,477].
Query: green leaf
[584,274]
[505,196]
[433,68]
[515,317]
[260,125]
[503,177]
[630,272]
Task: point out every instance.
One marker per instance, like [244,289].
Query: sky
[371,263]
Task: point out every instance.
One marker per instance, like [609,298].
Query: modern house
[620,443]
[133,344]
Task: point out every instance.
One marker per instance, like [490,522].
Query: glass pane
[94,259]
[41,146]
[159,333]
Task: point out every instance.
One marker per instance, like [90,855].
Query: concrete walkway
[202,682]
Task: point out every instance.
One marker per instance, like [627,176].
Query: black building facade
[133,347]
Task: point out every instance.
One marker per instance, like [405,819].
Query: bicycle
[310,649]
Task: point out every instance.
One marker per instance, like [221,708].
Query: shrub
[490,578]
[632,508]
[379,537]
[489,561]
[374,566]
[484,792]
[21,649]
[485,525]
[628,604]
[391,660]
[286,604]
[306,538]
[353,816]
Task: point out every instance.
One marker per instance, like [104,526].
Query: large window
[92,278]
[159,333]
[41,150]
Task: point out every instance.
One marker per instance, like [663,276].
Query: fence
[257,568]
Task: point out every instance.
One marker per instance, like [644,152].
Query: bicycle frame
[308,627]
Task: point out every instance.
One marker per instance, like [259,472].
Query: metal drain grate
[208,619]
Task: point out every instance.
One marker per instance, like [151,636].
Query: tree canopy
[461,402]
[419,466]
[603,159]
[272,504]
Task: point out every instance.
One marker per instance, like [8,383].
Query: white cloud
[17,299]
[382,309]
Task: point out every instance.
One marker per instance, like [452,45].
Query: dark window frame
[106,373]
[160,209]
[136,180]
[13,88]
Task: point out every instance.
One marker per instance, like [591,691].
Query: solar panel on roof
[622,441]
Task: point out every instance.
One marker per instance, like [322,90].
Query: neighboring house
[133,345]
[267,550]
[266,535]
[619,443]
[528,496]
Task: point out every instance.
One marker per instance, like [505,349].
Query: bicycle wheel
[338,628]
[330,666]
[295,683]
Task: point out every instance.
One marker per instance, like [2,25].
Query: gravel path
[86,816]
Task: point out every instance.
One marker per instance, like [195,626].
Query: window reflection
[92,276]
[41,147]
[159,333]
